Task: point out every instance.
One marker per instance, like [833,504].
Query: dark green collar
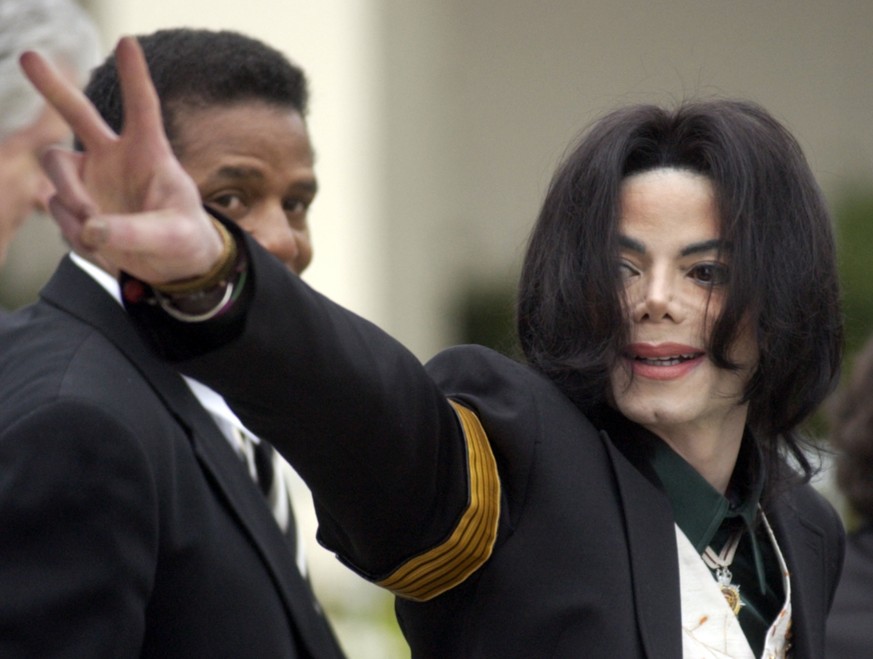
[698,508]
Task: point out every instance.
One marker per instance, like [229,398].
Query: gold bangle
[218,273]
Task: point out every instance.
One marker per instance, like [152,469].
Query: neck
[712,452]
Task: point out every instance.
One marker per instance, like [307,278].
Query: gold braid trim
[443,567]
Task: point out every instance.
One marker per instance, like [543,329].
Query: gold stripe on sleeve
[443,567]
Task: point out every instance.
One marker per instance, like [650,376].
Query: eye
[295,206]
[232,204]
[626,271]
[296,209]
[709,274]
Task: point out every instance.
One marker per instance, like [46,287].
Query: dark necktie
[264,466]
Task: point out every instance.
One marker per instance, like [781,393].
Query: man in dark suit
[132,522]
[626,493]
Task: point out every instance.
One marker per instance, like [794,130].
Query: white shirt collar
[99,275]
[209,398]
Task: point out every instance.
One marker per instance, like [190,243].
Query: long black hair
[783,273]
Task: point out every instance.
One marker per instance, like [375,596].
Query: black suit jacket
[584,563]
[128,526]
[850,626]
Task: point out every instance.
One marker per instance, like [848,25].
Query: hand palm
[126,197]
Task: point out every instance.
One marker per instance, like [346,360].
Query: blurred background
[437,125]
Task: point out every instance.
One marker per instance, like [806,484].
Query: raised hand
[126,198]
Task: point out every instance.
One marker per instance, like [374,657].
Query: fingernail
[95,233]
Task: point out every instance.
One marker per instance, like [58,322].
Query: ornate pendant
[720,563]
[730,591]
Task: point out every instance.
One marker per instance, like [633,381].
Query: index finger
[142,108]
[67,99]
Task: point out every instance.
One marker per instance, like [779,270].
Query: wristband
[218,273]
[206,304]
[169,305]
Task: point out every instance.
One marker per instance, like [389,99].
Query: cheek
[710,305]
[21,187]
[625,396]
[620,383]
[304,252]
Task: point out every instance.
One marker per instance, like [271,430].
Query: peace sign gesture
[126,199]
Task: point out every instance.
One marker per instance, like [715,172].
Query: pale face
[23,186]
[253,163]
[673,275]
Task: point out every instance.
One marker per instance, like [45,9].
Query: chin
[652,416]
[654,409]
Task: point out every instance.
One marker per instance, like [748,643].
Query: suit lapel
[652,547]
[803,545]
[76,293]
[653,556]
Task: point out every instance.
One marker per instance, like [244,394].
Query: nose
[658,301]
[289,244]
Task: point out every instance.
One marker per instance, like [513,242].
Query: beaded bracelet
[216,274]
[190,308]
[168,304]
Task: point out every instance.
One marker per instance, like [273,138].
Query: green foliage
[854,220]
[485,314]
[853,216]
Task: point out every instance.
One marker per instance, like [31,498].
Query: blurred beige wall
[438,123]
[483,97]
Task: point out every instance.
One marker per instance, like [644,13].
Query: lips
[666,361]
[663,361]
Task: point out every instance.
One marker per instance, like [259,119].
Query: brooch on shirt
[721,564]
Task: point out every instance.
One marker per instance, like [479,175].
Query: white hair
[60,30]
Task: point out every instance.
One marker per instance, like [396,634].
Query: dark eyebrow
[308,186]
[631,244]
[242,173]
[232,172]
[716,244]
